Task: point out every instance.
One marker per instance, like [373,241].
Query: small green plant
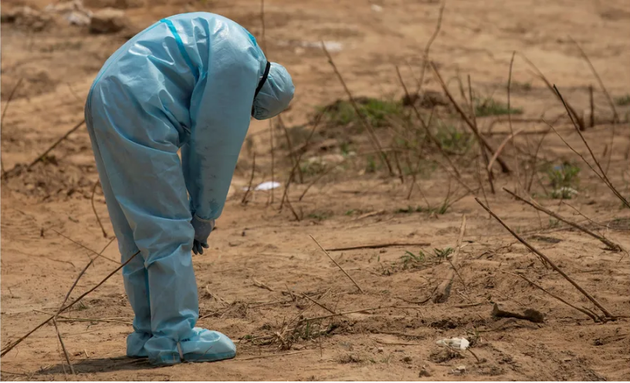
[491,107]
[410,259]
[312,168]
[345,148]
[374,110]
[442,209]
[553,223]
[563,179]
[320,215]
[371,166]
[443,253]
[350,212]
[453,140]
[623,101]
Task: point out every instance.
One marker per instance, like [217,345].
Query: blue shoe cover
[200,346]
[207,346]
[135,344]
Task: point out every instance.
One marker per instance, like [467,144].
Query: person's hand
[203,228]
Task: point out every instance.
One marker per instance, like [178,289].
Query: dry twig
[587,313]
[285,195]
[336,264]
[444,289]
[570,109]
[272,159]
[427,49]
[371,134]
[4,112]
[480,138]
[425,126]
[603,175]
[251,180]
[292,154]
[378,246]
[43,155]
[509,112]
[549,261]
[63,347]
[12,345]
[599,80]
[611,245]
[98,219]
[483,153]
[87,248]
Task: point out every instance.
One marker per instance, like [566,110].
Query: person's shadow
[86,366]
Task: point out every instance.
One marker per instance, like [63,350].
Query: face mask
[261,83]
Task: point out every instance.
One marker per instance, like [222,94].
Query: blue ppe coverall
[188,82]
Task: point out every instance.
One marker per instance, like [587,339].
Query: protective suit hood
[275,94]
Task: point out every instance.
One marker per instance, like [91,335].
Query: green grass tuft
[623,101]
[491,107]
[375,110]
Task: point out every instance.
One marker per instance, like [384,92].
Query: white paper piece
[268,185]
[458,343]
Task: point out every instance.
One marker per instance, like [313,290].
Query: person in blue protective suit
[188,82]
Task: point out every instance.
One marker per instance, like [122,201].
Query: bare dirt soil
[265,282]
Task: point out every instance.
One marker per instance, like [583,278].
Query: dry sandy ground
[262,262]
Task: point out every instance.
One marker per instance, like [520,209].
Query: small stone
[380,349]
[459,370]
[424,373]
[108,20]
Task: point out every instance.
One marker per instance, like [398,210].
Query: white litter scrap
[456,343]
[331,46]
[266,186]
[376,8]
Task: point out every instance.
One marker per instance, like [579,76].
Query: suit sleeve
[220,110]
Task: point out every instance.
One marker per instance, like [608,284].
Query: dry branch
[502,146]
[43,155]
[292,154]
[509,111]
[319,304]
[336,264]
[63,347]
[87,248]
[549,261]
[427,49]
[601,83]
[572,112]
[272,159]
[467,120]
[603,175]
[98,219]
[366,124]
[611,245]
[359,311]
[378,246]
[262,21]
[251,180]
[425,126]
[591,315]
[592,104]
[12,345]
[285,195]
[484,155]
[444,289]
[4,112]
